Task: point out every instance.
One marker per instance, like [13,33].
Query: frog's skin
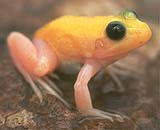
[75,39]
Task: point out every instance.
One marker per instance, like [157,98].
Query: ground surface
[140,101]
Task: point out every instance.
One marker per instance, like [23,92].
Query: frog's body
[76,43]
[94,41]
[76,38]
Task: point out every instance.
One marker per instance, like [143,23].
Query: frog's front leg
[33,60]
[82,94]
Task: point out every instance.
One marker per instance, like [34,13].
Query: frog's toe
[104,115]
[44,85]
[52,84]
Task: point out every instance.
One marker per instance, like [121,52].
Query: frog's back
[72,36]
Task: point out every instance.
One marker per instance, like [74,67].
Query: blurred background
[140,101]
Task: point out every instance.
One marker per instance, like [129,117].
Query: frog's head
[121,34]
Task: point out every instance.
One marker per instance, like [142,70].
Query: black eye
[115,30]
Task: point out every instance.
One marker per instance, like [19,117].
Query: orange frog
[95,42]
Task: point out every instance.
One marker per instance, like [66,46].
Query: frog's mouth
[108,51]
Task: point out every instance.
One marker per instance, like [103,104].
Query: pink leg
[33,61]
[82,95]
[37,59]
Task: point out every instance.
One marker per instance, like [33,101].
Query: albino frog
[95,42]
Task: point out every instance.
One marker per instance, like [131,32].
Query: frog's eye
[115,30]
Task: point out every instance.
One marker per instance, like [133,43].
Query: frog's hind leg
[34,61]
[27,77]
[36,58]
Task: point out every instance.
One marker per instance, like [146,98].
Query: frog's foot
[38,84]
[34,61]
[98,114]
[121,69]
[124,69]
[32,83]
[52,84]
[119,86]
[43,84]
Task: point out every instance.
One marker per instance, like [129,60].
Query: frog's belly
[69,67]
